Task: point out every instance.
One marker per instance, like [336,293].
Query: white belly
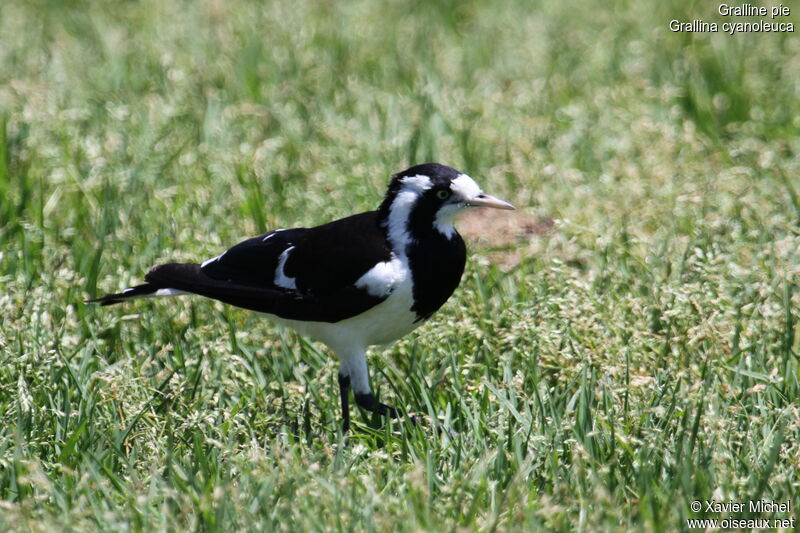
[383,324]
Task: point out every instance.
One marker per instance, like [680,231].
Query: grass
[638,356]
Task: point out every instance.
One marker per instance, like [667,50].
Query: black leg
[368,402]
[344,394]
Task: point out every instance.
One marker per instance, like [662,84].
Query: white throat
[444,219]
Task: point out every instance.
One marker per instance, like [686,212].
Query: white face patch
[281,279]
[400,210]
[464,189]
[381,279]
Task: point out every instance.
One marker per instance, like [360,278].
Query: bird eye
[443,194]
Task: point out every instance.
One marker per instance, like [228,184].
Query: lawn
[623,345]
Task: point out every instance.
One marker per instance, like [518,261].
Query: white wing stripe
[281,279]
[208,262]
[270,235]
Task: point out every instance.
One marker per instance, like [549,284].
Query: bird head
[428,197]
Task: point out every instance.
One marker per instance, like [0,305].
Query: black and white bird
[363,280]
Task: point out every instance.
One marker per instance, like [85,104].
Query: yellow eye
[443,194]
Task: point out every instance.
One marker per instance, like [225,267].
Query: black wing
[253,262]
[300,274]
[320,260]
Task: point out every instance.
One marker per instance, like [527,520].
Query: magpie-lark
[359,281]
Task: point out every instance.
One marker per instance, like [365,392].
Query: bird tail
[173,279]
[154,288]
[190,278]
[145,290]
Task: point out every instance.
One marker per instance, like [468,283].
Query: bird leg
[368,402]
[344,394]
[353,374]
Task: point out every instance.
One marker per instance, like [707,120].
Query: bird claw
[370,403]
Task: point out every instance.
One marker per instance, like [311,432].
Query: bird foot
[366,401]
[370,403]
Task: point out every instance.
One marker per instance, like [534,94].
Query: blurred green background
[624,344]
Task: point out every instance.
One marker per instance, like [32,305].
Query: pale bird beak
[484,200]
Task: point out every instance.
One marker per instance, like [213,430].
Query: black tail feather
[291,304]
[134,292]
